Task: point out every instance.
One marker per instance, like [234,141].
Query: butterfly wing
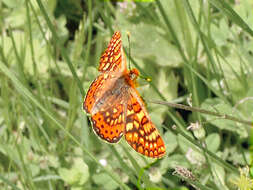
[113,59]
[104,101]
[140,133]
[108,123]
[108,120]
[112,65]
[96,91]
[108,112]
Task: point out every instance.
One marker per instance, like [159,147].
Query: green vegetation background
[197,52]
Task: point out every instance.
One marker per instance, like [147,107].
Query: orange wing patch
[140,132]
[109,123]
[94,92]
[113,57]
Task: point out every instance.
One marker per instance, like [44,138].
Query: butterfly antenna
[129,50]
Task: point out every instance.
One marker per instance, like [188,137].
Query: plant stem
[188,108]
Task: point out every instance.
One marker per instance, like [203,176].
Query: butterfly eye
[132,76]
[134,73]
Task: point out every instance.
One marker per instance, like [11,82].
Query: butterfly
[116,107]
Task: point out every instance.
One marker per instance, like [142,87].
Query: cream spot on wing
[117,56]
[129,126]
[119,119]
[136,124]
[155,145]
[106,75]
[153,135]
[140,115]
[147,128]
[130,112]
[106,66]
[150,137]
[142,132]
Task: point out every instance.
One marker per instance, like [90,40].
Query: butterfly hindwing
[140,133]
[108,122]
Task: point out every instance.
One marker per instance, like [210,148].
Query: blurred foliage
[46,140]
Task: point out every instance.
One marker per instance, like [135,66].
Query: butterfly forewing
[113,59]
[97,90]
[112,65]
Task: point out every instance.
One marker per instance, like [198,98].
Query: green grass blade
[231,14]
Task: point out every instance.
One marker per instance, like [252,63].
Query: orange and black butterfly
[117,108]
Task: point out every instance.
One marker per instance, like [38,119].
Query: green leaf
[245,103]
[170,141]
[231,14]
[184,144]
[220,33]
[17,17]
[236,157]
[104,181]
[82,168]
[167,84]
[217,105]
[69,176]
[192,154]
[13,3]
[173,161]
[213,142]
[77,175]
[219,176]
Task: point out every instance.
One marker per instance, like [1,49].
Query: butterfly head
[134,74]
[131,77]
